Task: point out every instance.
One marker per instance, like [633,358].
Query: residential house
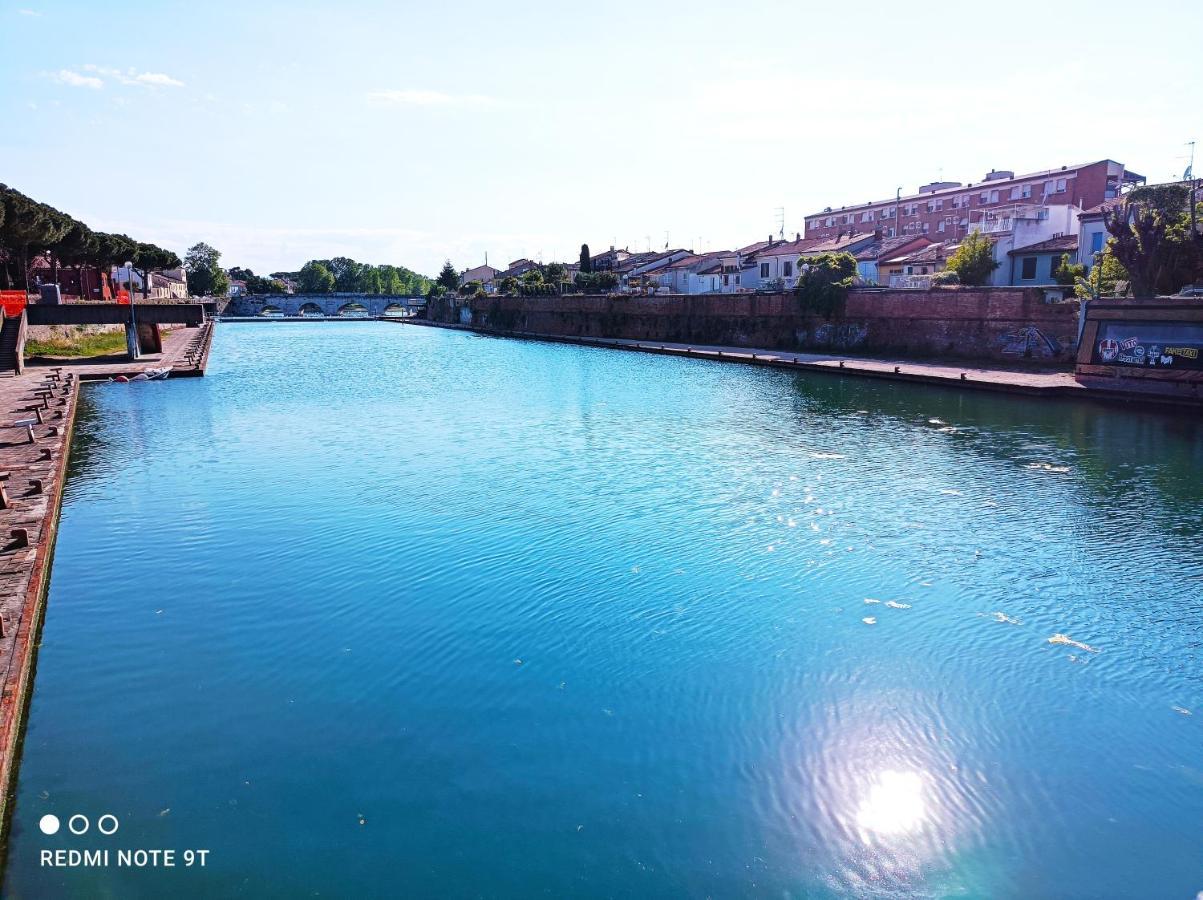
[485,274]
[869,257]
[1037,264]
[640,274]
[1022,225]
[516,269]
[1092,233]
[697,273]
[83,282]
[775,265]
[166,284]
[947,210]
[608,260]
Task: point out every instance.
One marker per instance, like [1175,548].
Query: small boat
[158,374]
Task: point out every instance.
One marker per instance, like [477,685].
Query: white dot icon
[49,824]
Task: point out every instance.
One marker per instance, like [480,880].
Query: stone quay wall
[1012,325]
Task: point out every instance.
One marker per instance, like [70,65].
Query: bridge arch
[396,310]
[271,312]
[352,310]
[311,309]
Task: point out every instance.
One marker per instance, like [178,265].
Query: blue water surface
[377,610]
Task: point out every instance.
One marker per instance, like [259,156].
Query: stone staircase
[9,335]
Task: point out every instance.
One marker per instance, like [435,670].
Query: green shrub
[823,283]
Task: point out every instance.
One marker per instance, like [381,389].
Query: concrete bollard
[36,486]
[47,453]
[964,377]
[897,369]
[4,504]
[841,364]
[20,537]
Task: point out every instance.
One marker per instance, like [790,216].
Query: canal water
[377,610]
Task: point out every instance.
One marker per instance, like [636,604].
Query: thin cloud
[29,12]
[74,79]
[419,97]
[134,77]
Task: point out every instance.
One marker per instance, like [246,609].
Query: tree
[149,258]
[1067,273]
[1104,277]
[586,259]
[1152,239]
[532,277]
[28,228]
[508,285]
[823,282]
[555,272]
[974,260]
[448,277]
[315,278]
[205,275]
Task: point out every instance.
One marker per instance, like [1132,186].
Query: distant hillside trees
[348,276]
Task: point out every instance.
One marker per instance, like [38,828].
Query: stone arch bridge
[324,305]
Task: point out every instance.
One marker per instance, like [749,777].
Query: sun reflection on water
[893,805]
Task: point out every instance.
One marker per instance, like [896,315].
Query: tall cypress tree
[586,259]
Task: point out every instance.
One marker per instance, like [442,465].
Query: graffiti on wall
[846,334]
[1030,342]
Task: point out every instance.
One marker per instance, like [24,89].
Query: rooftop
[1063,242]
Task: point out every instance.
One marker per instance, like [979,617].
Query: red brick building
[945,210]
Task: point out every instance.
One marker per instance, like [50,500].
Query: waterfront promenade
[41,404]
[1046,383]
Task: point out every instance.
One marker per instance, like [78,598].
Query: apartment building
[948,210]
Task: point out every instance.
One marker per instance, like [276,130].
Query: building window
[1027,192]
[1060,185]
[787,269]
[737,277]
[1028,273]
[764,270]
[1096,242]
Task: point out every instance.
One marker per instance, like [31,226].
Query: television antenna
[781,222]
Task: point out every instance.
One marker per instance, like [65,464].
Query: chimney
[797,235]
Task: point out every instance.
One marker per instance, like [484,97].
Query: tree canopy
[1152,238]
[29,229]
[448,277]
[205,275]
[347,275]
[974,260]
[823,282]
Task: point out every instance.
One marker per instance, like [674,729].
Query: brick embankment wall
[984,324]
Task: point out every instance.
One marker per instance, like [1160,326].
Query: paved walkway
[1018,381]
[31,476]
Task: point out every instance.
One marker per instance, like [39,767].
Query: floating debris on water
[871,600]
[894,604]
[1046,467]
[1182,710]
[164,812]
[951,492]
[1003,617]
[1067,641]
[870,620]
[934,421]
[826,456]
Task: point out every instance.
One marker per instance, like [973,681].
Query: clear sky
[411,132]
